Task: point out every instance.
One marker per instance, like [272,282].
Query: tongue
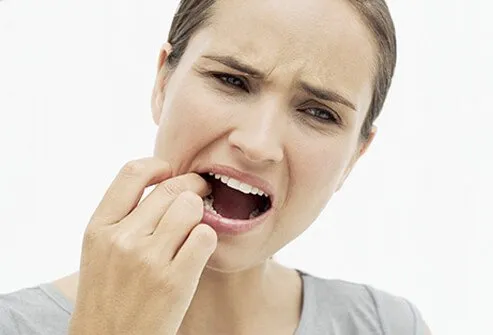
[231,203]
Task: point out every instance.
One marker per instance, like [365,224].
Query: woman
[262,108]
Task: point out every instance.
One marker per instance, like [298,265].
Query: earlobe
[160,83]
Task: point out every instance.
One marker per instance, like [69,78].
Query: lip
[250,179]
[233,227]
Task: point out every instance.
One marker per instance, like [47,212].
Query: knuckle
[92,234]
[133,168]
[121,242]
[171,284]
[161,163]
[162,280]
[148,265]
[192,199]
[147,261]
[172,188]
[95,240]
[193,203]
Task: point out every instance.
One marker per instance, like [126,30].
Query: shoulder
[31,311]
[367,307]
[397,314]
[7,323]
[12,310]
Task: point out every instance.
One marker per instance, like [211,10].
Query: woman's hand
[141,263]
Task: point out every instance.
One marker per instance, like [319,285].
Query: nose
[258,135]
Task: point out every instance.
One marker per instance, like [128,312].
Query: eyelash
[331,117]
[221,76]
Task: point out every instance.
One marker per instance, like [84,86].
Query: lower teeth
[209,200]
[254,214]
[208,204]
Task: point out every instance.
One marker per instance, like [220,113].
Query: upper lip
[247,178]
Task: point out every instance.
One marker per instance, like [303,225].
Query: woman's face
[276,125]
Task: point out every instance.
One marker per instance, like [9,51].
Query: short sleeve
[398,316]
[7,323]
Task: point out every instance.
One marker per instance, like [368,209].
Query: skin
[270,131]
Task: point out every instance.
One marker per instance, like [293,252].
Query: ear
[362,148]
[157,98]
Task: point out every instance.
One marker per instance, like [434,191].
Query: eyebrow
[320,93]
[237,65]
[324,94]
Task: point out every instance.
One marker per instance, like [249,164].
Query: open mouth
[235,200]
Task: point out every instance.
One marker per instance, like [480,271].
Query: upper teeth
[238,185]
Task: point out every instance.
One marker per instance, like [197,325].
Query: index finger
[127,188]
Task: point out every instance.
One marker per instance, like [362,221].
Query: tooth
[233,183]
[211,174]
[254,214]
[237,185]
[245,188]
[208,201]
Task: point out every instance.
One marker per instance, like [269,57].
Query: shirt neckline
[303,325]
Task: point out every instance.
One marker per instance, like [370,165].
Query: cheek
[316,171]
[198,110]
[188,107]
[314,176]
[190,120]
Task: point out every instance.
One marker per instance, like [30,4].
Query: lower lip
[232,227]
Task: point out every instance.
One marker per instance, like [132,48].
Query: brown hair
[193,14]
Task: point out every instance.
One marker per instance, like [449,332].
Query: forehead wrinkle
[227,56]
[338,55]
[291,75]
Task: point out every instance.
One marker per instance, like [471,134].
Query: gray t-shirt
[330,307]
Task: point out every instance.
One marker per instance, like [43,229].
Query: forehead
[322,41]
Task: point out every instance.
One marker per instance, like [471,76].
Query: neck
[266,297]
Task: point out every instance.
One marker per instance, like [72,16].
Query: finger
[195,252]
[146,216]
[182,216]
[127,188]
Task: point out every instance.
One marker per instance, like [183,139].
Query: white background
[414,218]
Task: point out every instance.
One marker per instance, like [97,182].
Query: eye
[322,115]
[231,80]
